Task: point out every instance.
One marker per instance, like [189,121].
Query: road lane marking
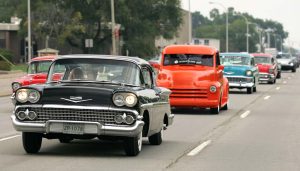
[8,138]
[267,97]
[245,114]
[277,88]
[284,82]
[199,148]
[289,78]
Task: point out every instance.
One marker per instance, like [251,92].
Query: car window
[96,70]
[262,60]
[188,59]
[39,67]
[147,77]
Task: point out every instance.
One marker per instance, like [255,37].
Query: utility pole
[190,23]
[29,31]
[113,27]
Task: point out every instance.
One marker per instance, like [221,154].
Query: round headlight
[129,119]
[249,73]
[32,115]
[15,86]
[213,89]
[130,100]
[21,115]
[118,100]
[34,96]
[22,95]
[118,119]
[271,70]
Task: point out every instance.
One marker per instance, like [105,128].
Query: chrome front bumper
[92,128]
[266,77]
[241,85]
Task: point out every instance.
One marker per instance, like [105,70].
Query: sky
[286,12]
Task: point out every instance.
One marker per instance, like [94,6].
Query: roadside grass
[20,67]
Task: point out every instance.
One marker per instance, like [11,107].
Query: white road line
[267,97]
[199,148]
[277,88]
[284,82]
[245,114]
[289,78]
[8,138]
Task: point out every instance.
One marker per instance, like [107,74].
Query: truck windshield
[188,59]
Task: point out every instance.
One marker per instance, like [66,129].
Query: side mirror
[155,65]
[221,67]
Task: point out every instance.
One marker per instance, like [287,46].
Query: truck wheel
[215,110]
[156,139]
[249,90]
[31,142]
[133,145]
[254,89]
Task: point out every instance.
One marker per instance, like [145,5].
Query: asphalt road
[258,132]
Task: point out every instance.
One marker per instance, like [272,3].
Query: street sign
[89,43]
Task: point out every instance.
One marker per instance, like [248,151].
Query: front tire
[133,145]
[156,139]
[294,69]
[249,90]
[225,107]
[215,110]
[31,142]
[279,75]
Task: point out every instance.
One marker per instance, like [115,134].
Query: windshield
[235,60]
[188,59]
[39,67]
[95,70]
[283,56]
[262,60]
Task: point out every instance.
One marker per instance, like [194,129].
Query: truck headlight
[24,95]
[15,86]
[213,89]
[249,73]
[128,99]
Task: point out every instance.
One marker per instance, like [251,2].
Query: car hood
[236,70]
[81,94]
[25,80]
[186,77]
[264,67]
[284,61]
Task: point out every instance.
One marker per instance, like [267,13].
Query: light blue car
[240,70]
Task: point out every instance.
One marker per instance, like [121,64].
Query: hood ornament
[75,99]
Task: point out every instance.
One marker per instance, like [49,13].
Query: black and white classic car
[88,96]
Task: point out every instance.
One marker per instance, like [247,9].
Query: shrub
[5,66]
[7,54]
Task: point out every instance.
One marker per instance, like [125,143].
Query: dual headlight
[27,95]
[271,70]
[249,73]
[15,86]
[125,99]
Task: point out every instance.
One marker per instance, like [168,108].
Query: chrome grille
[239,79]
[189,93]
[90,115]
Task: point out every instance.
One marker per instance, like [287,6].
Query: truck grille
[90,115]
[188,93]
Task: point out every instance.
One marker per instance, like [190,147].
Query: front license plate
[73,128]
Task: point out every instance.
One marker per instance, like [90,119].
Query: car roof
[262,55]
[236,54]
[44,58]
[136,60]
[189,49]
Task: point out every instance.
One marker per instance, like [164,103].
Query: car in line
[287,62]
[240,70]
[88,96]
[195,76]
[267,67]
[36,72]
